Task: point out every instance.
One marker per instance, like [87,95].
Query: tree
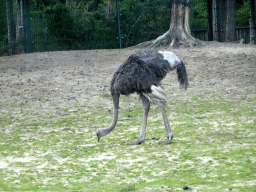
[60,21]
[214,20]
[251,22]
[210,20]
[10,21]
[223,20]
[3,22]
[179,33]
[230,21]
[28,46]
[19,22]
[110,6]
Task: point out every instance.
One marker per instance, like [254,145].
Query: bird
[142,73]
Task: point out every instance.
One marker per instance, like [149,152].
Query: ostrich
[142,73]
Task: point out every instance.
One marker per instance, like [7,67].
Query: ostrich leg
[166,123]
[146,106]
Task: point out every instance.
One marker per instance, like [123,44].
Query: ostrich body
[142,73]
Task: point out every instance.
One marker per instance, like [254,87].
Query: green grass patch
[213,148]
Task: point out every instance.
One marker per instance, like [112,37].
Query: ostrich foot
[138,142]
[167,142]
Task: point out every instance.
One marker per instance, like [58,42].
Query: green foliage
[38,5]
[242,14]
[59,20]
[199,14]
[143,21]
[103,30]
[88,25]
[83,25]
[3,21]
[77,24]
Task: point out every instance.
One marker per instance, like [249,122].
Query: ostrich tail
[182,75]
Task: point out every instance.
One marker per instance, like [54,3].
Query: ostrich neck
[113,124]
[115,97]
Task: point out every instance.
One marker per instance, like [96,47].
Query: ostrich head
[100,133]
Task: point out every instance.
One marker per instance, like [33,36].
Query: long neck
[115,115]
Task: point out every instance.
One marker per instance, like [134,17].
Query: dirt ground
[50,82]
[226,69]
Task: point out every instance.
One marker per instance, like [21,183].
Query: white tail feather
[157,94]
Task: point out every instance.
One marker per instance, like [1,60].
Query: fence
[242,29]
[11,49]
[241,34]
[140,21]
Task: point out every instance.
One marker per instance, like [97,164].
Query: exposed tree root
[179,34]
[172,41]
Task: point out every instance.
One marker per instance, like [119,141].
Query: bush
[59,20]
[242,14]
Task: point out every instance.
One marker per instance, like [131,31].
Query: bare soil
[226,69]
[55,84]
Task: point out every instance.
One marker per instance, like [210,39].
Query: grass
[213,148]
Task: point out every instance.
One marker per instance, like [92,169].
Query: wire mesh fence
[74,26]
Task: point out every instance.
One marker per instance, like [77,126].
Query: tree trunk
[214,20]
[230,21]
[210,20]
[179,33]
[222,12]
[27,27]
[110,6]
[223,20]
[251,23]
[10,21]
[19,23]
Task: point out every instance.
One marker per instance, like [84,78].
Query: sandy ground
[226,69]
[81,79]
